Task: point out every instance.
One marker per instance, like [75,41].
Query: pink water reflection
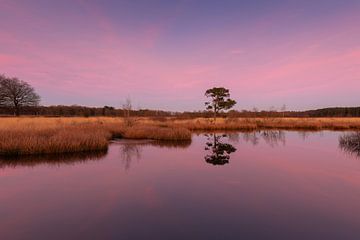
[300,188]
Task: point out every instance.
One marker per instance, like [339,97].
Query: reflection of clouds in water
[271,137]
[219,151]
[350,143]
[55,160]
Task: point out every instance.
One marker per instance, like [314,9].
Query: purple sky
[165,54]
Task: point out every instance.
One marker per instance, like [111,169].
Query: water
[264,185]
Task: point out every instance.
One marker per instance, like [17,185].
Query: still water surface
[263,185]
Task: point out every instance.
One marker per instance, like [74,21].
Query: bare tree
[127,108]
[16,93]
[255,110]
[283,110]
[272,111]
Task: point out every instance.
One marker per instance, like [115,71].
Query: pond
[255,185]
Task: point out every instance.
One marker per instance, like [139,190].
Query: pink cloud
[110,61]
[6,59]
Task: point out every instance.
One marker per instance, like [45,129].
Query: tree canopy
[16,94]
[220,100]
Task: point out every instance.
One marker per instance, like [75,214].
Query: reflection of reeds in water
[50,159]
[251,137]
[157,143]
[271,137]
[350,143]
[172,144]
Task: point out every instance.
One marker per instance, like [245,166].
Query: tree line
[73,111]
[18,97]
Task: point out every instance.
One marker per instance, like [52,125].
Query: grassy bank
[21,136]
[269,123]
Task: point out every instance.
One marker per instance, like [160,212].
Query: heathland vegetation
[45,135]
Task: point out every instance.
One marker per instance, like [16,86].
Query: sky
[164,54]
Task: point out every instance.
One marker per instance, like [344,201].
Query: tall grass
[267,123]
[41,135]
[60,139]
[158,133]
[23,136]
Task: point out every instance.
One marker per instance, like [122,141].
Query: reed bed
[24,136]
[158,133]
[248,124]
[61,139]
[41,135]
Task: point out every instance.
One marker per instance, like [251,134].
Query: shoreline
[42,136]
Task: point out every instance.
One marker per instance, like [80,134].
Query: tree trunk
[17,111]
[215,110]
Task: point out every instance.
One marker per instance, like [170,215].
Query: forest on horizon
[75,110]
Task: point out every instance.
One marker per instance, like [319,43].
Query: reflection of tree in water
[271,137]
[350,143]
[131,149]
[56,160]
[219,151]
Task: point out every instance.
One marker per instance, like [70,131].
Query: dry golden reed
[158,133]
[266,123]
[42,135]
[21,136]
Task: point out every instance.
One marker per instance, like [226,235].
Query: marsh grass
[158,133]
[62,139]
[24,136]
[248,124]
[41,135]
